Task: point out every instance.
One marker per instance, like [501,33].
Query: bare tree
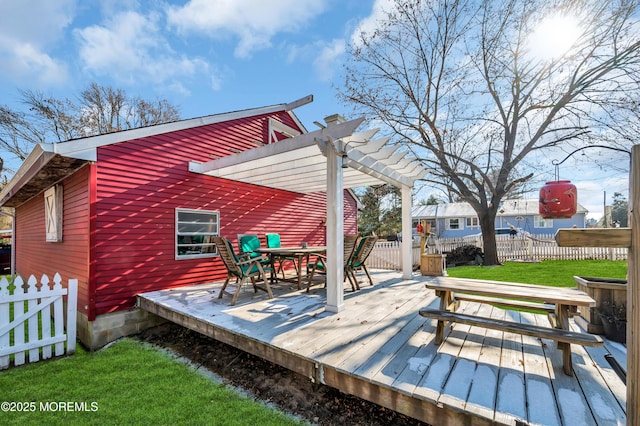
[459,83]
[99,110]
[104,110]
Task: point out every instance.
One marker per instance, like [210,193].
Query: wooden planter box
[602,290]
[433,264]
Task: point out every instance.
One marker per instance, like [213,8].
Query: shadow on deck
[379,349]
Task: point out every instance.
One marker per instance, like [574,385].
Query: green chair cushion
[273,240]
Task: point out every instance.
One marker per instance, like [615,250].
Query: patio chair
[319,265]
[360,255]
[247,244]
[242,270]
[273,241]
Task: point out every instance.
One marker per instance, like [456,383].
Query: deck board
[462,377]
[480,402]
[542,409]
[511,400]
[379,348]
[569,397]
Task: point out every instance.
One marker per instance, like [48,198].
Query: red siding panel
[142,182]
[34,256]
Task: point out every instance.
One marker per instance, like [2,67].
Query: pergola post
[407,234]
[335,231]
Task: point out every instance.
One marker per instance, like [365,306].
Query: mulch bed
[284,389]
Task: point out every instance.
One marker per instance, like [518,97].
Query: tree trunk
[488,227]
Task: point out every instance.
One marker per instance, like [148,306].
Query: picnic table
[558,302]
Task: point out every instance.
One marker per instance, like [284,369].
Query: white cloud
[253,22]
[591,192]
[325,56]
[369,24]
[35,22]
[130,47]
[328,61]
[27,29]
[33,65]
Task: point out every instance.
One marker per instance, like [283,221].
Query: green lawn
[557,273]
[125,383]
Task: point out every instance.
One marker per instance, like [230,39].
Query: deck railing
[386,254]
[32,319]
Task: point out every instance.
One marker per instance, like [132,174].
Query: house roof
[49,163]
[515,207]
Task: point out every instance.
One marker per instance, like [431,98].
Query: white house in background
[459,219]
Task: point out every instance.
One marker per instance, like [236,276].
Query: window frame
[542,223]
[178,234]
[459,222]
[472,225]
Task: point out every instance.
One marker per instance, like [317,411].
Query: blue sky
[204,56]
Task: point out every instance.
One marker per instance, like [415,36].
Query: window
[540,222]
[453,223]
[53,214]
[472,222]
[194,232]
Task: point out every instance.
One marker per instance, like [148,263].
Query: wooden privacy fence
[32,319]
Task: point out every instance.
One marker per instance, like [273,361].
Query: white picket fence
[386,254]
[32,319]
[539,247]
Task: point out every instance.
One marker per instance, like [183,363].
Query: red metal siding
[141,182]
[34,256]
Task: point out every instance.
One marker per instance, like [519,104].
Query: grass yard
[557,273]
[125,383]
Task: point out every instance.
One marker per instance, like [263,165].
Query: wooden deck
[379,349]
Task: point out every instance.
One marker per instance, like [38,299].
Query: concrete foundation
[109,327]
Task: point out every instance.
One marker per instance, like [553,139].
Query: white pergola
[330,159]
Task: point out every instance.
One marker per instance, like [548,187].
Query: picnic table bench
[559,304]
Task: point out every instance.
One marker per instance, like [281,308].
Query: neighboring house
[455,220]
[123,213]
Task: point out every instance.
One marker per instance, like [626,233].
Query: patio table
[298,252]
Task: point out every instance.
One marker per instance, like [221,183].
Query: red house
[113,211]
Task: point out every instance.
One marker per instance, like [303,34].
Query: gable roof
[515,207]
[49,163]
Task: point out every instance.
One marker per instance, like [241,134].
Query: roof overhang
[299,164]
[40,170]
